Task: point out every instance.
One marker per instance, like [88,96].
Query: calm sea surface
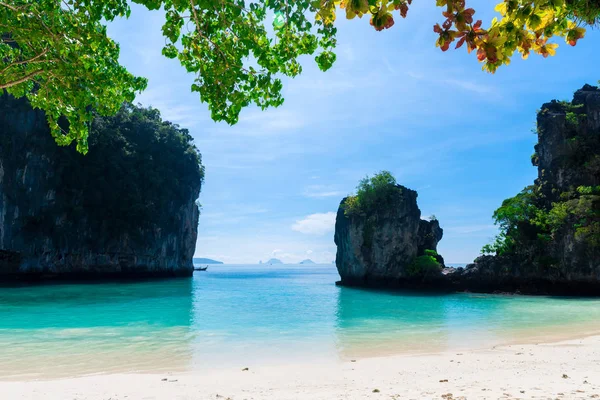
[242,315]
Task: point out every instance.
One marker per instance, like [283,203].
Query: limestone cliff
[550,240]
[379,246]
[126,209]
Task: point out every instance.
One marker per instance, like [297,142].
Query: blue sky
[459,136]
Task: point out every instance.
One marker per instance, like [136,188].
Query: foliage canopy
[372,193]
[57,53]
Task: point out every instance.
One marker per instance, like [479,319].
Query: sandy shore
[563,370]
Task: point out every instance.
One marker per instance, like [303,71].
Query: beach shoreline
[568,369]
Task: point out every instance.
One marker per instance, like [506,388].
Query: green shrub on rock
[371,193]
[425,265]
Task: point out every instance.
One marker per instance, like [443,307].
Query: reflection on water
[56,330]
[236,316]
[251,315]
[373,322]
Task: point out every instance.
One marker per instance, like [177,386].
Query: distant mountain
[307,261]
[206,261]
[274,261]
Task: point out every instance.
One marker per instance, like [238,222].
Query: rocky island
[550,232]
[201,260]
[380,236]
[126,209]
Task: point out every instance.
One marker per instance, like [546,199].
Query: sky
[392,101]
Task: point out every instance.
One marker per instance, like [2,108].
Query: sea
[237,316]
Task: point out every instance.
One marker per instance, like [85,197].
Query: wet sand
[567,369]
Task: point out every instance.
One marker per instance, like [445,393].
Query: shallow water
[237,316]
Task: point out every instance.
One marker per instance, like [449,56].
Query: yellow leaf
[547,17]
[501,8]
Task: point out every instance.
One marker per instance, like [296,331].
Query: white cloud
[318,191]
[165,99]
[316,224]
[272,121]
[469,86]
[347,51]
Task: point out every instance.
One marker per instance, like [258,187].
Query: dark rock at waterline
[125,210]
[504,274]
[488,274]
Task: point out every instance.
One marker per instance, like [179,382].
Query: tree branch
[43,53]
[21,80]
[13,8]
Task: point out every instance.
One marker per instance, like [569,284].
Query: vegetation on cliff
[58,53]
[525,221]
[426,265]
[372,193]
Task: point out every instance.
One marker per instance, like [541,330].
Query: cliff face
[379,246]
[553,234]
[127,208]
[569,159]
[568,149]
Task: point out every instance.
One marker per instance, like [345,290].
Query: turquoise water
[237,316]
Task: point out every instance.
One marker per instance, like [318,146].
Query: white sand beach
[561,370]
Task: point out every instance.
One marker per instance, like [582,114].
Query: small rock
[565,376]
[246,369]
[164,379]
[375,390]
[352,360]
[443,380]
